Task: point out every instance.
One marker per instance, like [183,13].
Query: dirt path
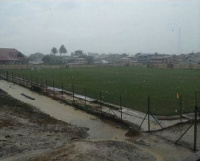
[98,130]
[28,134]
[65,113]
[97,151]
[24,128]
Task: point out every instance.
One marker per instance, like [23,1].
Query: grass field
[134,85]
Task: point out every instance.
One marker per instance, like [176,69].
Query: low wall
[137,65]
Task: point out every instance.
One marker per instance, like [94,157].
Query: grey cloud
[100,25]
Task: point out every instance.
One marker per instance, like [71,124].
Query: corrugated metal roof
[8,54]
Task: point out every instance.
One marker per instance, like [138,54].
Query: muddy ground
[175,132]
[24,128]
[28,134]
[97,151]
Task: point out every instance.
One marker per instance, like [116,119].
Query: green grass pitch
[134,85]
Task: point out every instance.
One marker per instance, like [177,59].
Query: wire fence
[98,102]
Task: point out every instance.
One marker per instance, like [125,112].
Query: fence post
[195,129]
[100,97]
[85,96]
[41,82]
[121,105]
[62,90]
[12,77]
[195,98]
[148,113]
[73,92]
[17,78]
[23,79]
[46,85]
[53,90]
[180,108]
[31,81]
[195,123]
[7,75]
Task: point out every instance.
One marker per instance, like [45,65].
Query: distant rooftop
[9,54]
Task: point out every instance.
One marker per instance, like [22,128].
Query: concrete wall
[137,65]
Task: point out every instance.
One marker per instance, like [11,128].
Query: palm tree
[62,50]
[54,51]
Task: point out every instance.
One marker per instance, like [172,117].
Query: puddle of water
[97,128]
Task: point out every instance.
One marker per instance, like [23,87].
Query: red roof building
[12,56]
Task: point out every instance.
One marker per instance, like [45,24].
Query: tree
[51,59]
[90,59]
[36,57]
[54,51]
[62,50]
[78,53]
[46,59]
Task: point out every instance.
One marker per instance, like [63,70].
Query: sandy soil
[97,128]
[174,133]
[24,128]
[97,151]
[28,134]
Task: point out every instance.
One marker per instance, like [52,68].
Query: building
[144,58]
[76,61]
[12,56]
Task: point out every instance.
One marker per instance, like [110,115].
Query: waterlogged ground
[28,134]
[106,140]
[65,113]
[24,128]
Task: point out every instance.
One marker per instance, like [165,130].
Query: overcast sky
[103,26]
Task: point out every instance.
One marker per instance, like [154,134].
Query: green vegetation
[134,85]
